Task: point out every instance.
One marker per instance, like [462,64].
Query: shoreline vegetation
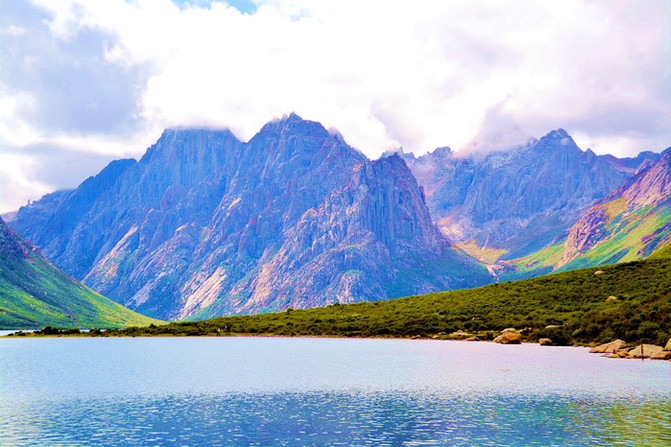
[588,307]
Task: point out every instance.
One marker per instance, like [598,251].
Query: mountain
[205,225]
[34,293]
[628,224]
[509,203]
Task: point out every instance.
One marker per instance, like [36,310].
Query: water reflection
[300,419]
[240,392]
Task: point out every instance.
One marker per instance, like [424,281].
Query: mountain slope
[508,203]
[33,293]
[207,225]
[630,301]
[628,224]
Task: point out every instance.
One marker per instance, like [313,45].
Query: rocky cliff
[207,225]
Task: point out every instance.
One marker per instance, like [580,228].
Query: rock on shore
[645,351]
[509,338]
[608,348]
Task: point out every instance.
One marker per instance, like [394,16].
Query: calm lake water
[243,391]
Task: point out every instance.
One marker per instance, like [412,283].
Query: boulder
[608,348]
[509,338]
[644,351]
[621,354]
[461,335]
[509,329]
[545,342]
[668,345]
[661,355]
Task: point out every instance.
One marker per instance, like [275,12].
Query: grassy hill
[34,293]
[627,237]
[631,301]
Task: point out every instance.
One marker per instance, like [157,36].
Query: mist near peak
[498,132]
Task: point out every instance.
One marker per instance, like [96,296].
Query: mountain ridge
[513,202]
[204,225]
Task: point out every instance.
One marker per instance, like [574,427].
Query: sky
[83,82]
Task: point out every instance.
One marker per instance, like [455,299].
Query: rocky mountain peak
[172,135]
[292,125]
[441,152]
[557,134]
[438,155]
[174,144]
[558,140]
[393,159]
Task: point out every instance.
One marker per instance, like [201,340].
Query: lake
[243,391]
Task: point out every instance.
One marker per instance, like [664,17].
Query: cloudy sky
[83,82]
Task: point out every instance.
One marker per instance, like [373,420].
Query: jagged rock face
[205,224]
[522,198]
[639,210]
[375,227]
[58,222]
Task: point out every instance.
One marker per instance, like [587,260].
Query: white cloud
[17,185]
[417,74]
[13,30]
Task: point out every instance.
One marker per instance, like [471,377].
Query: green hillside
[34,293]
[631,301]
[626,238]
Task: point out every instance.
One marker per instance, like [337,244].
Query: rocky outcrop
[205,225]
[509,338]
[644,351]
[616,349]
[462,335]
[608,348]
[545,342]
[661,355]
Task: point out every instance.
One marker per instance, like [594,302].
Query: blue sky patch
[244,6]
